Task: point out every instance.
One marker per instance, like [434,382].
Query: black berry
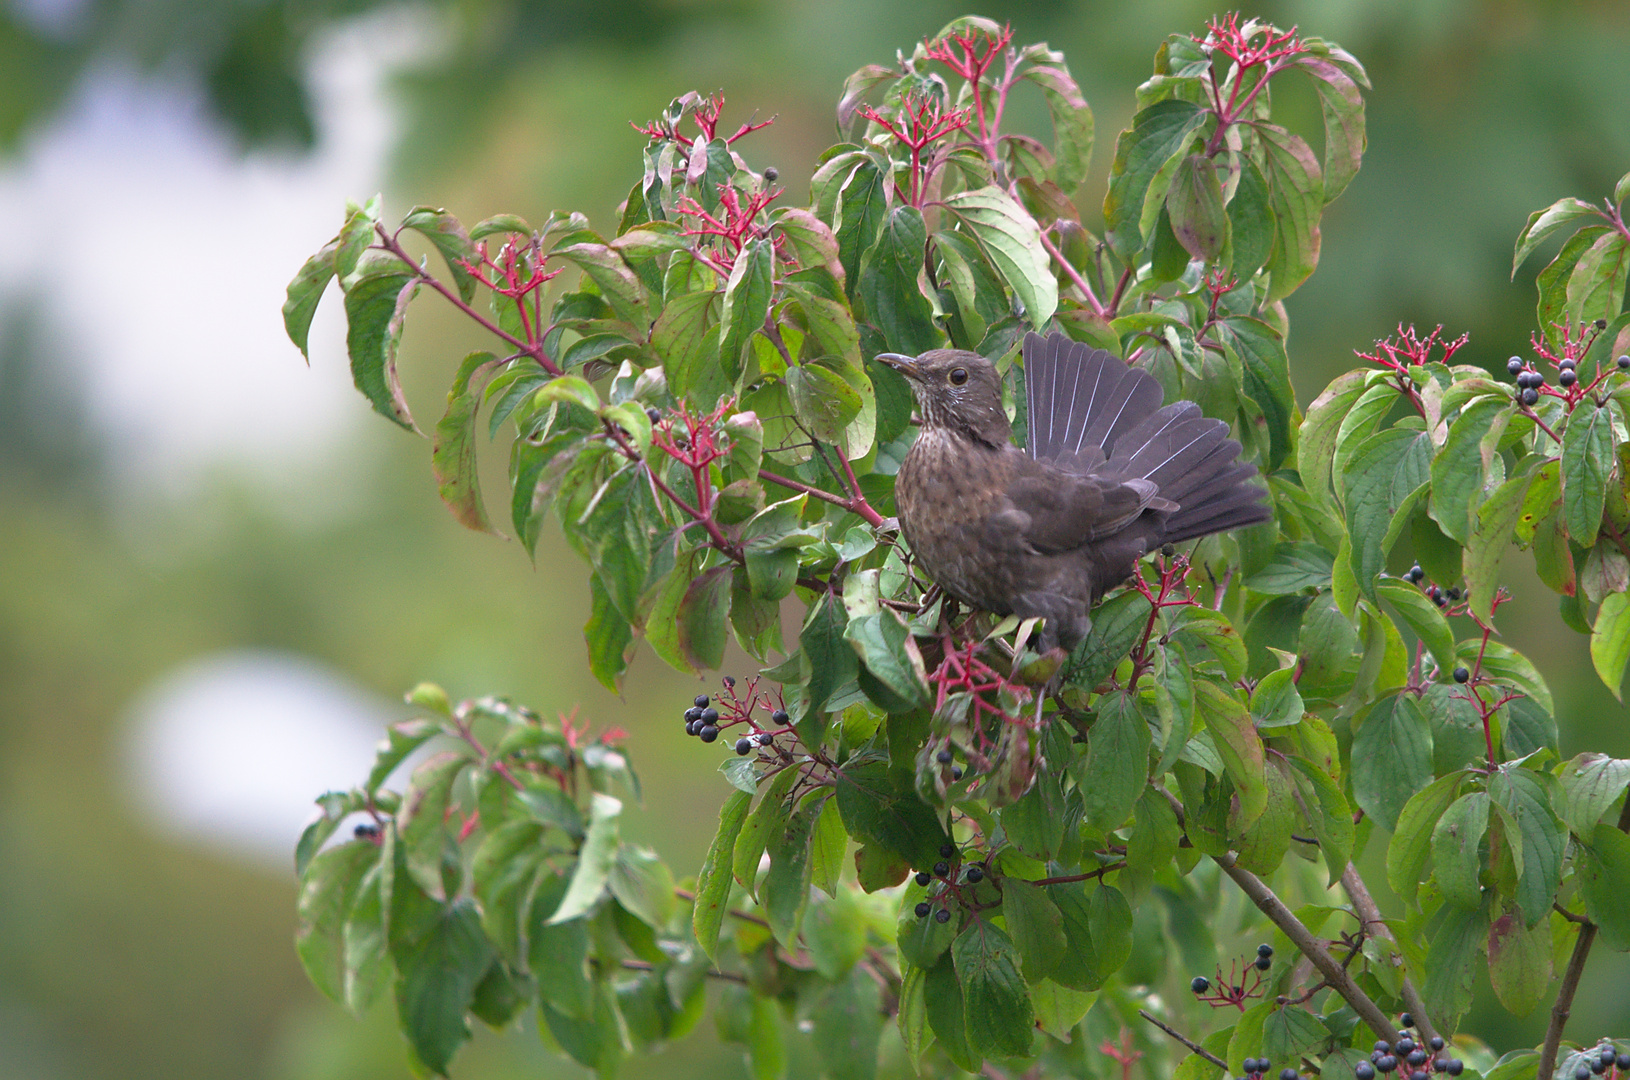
[1514,365]
[1364,1071]
[943,915]
[1288,1074]
[1249,1064]
[1381,1046]
[1438,1064]
[924,877]
[956,772]
[942,868]
[707,732]
[729,682]
[1419,1074]
[976,874]
[1568,377]
[1263,963]
[1582,1073]
[1608,1055]
[1624,363]
[923,909]
[1405,1045]
[943,757]
[1416,574]
[1530,396]
[1434,592]
[365,831]
[691,726]
[1264,950]
[1601,324]
[1623,1062]
[1440,600]
[1597,1067]
[1200,984]
[1567,362]
[947,850]
[1417,1057]
[701,701]
[654,416]
[765,738]
[710,716]
[1437,1040]
[1452,594]
[1263,1065]
[771,175]
[693,713]
[1462,675]
[1455,1067]
[744,746]
[1387,1063]
[780,717]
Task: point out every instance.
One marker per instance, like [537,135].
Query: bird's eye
[958,376]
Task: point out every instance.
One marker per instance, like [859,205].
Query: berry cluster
[1235,990]
[1440,596]
[1260,1066]
[1531,381]
[1606,1057]
[1408,1058]
[945,757]
[947,870]
[705,721]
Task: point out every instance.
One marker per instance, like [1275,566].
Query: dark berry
[654,416]
[1416,574]
[1522,380]
[1462,675]
[771,175]
[1609,1055]
[1597,1067]
[924,877]
[1434,592]
[1263,963]
[1601,324]
[780,717]
[943,915]
[1200,984]
[1567,362]
[765,738]
[1452,594]
[1387,1063]
[1582,1073]
[1568,377]
[1530,396]
[1455,1067]
[710,716]
[1438,1064]
[1364,1071]
[1623,1062]
[942,868]
[923,909]
[1249,1065]
[707,732]
[744,746]
[1514,365]
[1437,1040]
[1440,600]
[365,831]
[976,874]
[1264,950]
[1263,1065]
[1624,363]
[1382,1046]
[1417,1057]
[1288,1074]
[729,682]
[956,772]
[691,726]
[947,850]
[1405,1045]
[1169,550]
[701,701]
[943,757]
[1418,1074]
[693,713]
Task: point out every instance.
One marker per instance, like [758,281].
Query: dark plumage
[1109,476]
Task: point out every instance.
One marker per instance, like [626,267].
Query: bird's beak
[905,365]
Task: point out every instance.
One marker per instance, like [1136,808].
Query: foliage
[703,417]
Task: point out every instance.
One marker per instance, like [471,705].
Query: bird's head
[956,390]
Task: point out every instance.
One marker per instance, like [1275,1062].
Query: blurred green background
[175,485]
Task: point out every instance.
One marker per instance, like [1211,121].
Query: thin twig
[1371,922]
[1300,936]
[1074,275]
[712,973]
[1185,1040]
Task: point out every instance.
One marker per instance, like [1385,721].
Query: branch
[1373,924]
[1074,276]
[712,973]
[1336,975]
[856,505]
[1192,1045]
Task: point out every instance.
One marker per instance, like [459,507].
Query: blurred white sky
[163,254]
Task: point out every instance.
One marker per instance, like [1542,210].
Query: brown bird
[1109,476]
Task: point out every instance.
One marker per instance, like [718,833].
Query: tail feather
[1090,412]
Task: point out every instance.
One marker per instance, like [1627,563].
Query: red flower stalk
[1407,348]
[517,273]
[973,54]
[1226,36]
[706,118]
[921,122]
[739,224]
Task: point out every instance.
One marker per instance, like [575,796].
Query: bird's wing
[1063,511]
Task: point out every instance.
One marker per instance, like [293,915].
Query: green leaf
[1262,845]
[785,891]
[888,284]
[1490,537]
[1591,784]
[365,944]
[1596,286]
[1610,641]
[1275,702]
[746,304]
[1330,815]
[686,337]
[1250,221]
[1368,498]
[812,242]
[1116,626]
[862,204]
[1455,840]
[375,307]
[594,860]
[452,454]
[1012,241]
[421,822]
[1240,747]
[1157,135]
[444,231]
[1344,134]
[885,647]
[1072,123]
[835,929]
[1552,282]
[1392,758]
[436,980]
[878,810]
[1316,442]
[1542,224]
[996,1002]
[1261,350]
[1587,463]
[822,401]
[947,1013]
[1604,879]
[832,662]
[1290,1032]
[848,1022]
[1519,961]
[713,880]
[1195,203]
[1295,566]
[760,828]
[1423,617]
[704,617]
[1296,186]
[328,890]
[1117,764]
[1452,962]
[1035,925]
[617,282]
[304,293]
[643,885]
[1526,798]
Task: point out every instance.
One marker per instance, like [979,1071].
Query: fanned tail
[1091,413]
